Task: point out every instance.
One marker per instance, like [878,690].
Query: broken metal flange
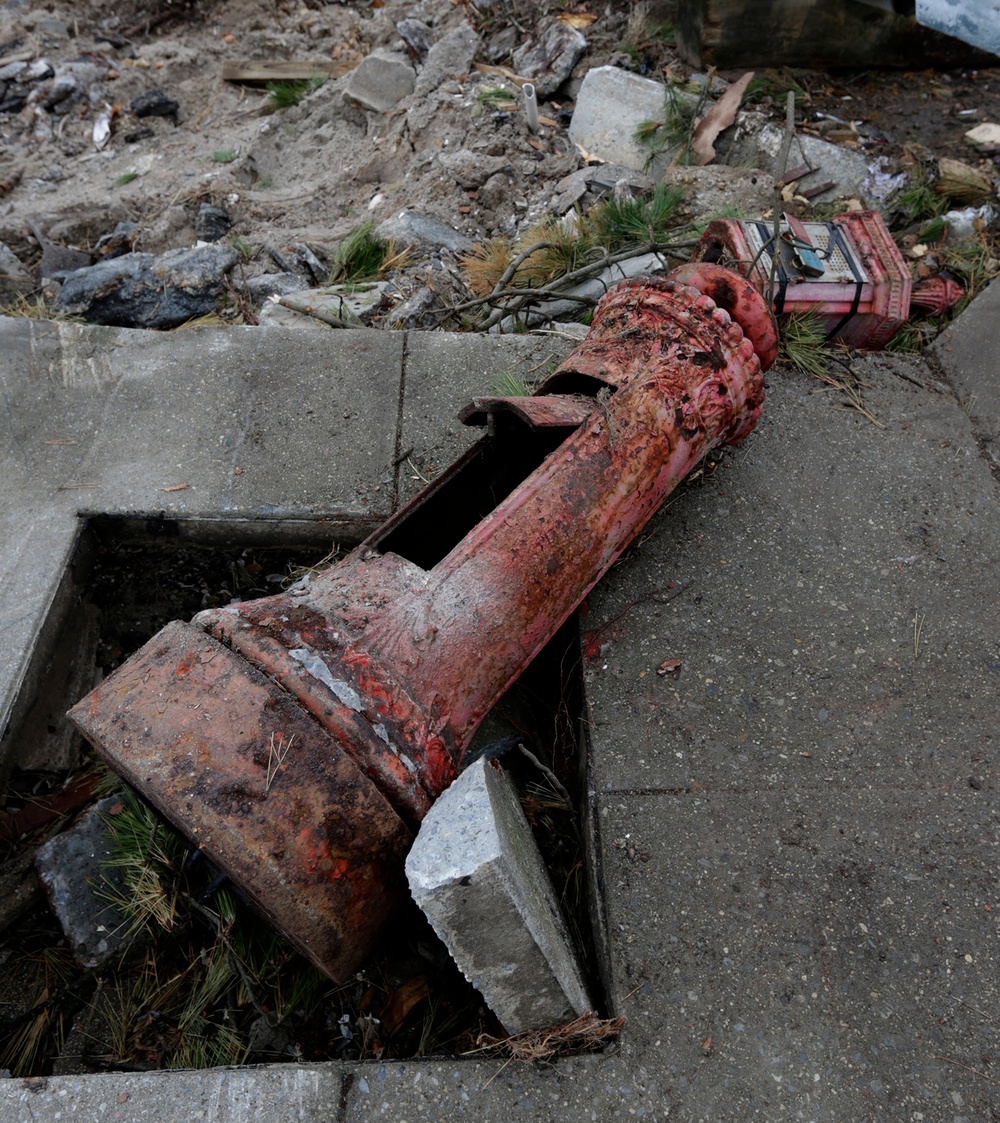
[300,738]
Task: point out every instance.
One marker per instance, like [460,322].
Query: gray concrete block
[476,872]
[610,105]
[409,228]
[758,142]
[966,350]
[380,81]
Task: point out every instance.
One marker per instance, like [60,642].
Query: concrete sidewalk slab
[787,582]
[967,353]
[797,833]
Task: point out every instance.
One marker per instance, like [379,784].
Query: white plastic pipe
[530,106]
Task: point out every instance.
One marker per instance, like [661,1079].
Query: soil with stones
[176,134]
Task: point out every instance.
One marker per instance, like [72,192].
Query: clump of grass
[914,336]
[285,95]
[364,256]
[242,247]
[619,222]
[148,857]
[802,342]
[224,155]
[126,177]
[776,84]
[916,200]
[974,264]
[496,97]
[509,385]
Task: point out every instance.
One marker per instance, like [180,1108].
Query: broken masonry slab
[610,106]
[478,876]
[380,81]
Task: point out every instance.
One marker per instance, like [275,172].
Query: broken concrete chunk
[609,107]
[597,180]
[340,306]
[259,288]
[477,874]
[450,57]
[547,60]
[146,291]
[719,189]
[985,136]
[72,869]
[380,81]
[472,169]
[408,228]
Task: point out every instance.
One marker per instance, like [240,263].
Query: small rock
[120,241]
[471,170]
[135,135]
[212,223]
[380,81]
[146,291]
[450,57]
[12,70]
[596,180]
[14,278]
[548,59]
[417,35]
[259,288]
[409,228]
[501,44]
[72,869]
[309,264]
[494,191]
[414,312]
[154,103]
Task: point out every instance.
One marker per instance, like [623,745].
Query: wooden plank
[260,73]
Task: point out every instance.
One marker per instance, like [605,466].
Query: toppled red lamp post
[300,738]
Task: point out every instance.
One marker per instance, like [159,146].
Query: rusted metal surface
[255,781]
[392,658]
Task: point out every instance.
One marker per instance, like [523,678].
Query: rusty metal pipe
[301,737]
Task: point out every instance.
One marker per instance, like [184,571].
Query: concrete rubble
[476,872]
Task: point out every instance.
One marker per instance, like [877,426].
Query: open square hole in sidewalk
[203,980]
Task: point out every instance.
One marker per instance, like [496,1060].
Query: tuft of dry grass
[586,1034]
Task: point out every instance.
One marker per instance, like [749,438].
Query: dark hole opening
[467,492]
